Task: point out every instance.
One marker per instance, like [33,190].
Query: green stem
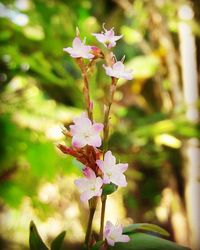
[103,209]
[89,226]
[107,114]
[105,147]
[92,205]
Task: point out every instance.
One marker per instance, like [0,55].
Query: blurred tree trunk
[191,149]
[172,101]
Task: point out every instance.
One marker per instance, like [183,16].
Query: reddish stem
[86,91]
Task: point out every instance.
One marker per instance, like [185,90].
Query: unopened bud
[63,148]
[96,52]
[87,172]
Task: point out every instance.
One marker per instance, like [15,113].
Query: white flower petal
[99,182]
[77,43]
[78,141]
[124,238]
[109,159]
[122,166]
[82,184]
[118,66]
[89,173]
[100,164]
[119,179]
[94,141]
[87,195]
[97,127]
[110,242]
[106,179]
[118,71]
[100,37]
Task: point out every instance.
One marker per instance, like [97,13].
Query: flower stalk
[92,205]
[103,210]
[105,147]
[107,114]
[89,227]
[86,91]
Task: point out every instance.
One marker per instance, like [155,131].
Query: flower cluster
[85,143]
[99,167]
[108,39]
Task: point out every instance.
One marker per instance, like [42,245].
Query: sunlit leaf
[131,36]
[144,66]
[145,227]
[168,140]
[35,33]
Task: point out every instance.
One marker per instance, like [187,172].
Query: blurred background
[154,125]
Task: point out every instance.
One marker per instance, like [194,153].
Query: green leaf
[145,227]
[109,189]
[144,66]
[97,245]
[35,241]
[58,241]
[142,241]
[131,36]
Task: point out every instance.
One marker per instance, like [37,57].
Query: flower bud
[96,52]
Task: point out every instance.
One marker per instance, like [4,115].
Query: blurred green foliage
[41,91]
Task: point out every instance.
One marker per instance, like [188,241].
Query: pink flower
[85,133]
[79,49]
[118,71]
[114,234]
[112,172]
[89,186]
[107,37]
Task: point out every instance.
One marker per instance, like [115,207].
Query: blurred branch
[126,6]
